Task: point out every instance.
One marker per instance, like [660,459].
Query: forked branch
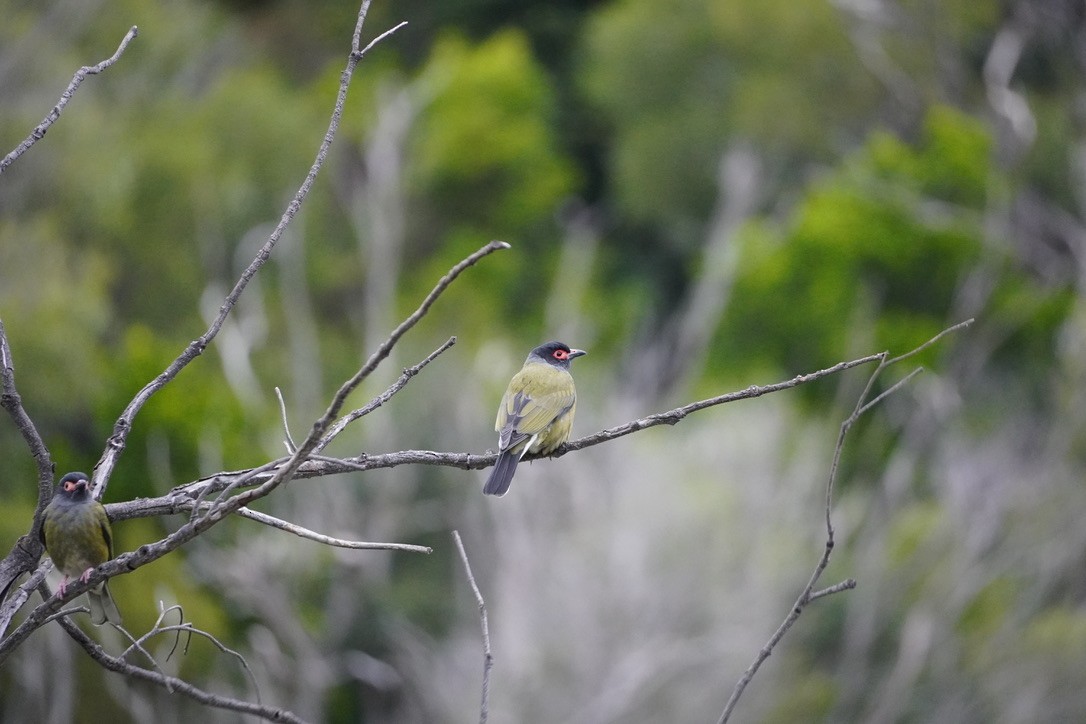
[863,405]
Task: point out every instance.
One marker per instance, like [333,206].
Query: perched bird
[75,531]
[536,413]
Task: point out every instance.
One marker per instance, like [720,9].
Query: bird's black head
[74,486]
[556,353]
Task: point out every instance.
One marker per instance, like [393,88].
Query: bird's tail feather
[102,607]
[502,474]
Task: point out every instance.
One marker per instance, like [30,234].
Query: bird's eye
[559,354]
[69,486]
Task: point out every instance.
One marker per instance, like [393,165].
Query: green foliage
[809,699]
[885,241]
[677,81]
[485,147]
[989,610]
[912,528]
[485,163]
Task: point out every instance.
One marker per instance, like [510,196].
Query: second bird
[75,531]
[536,413]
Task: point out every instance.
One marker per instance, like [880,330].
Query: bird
[536,412]
[76,533]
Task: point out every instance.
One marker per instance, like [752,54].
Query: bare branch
[289,442]
[181,499]
[226,506]
[379,38]
[13,403]
[809,594]
[80,75]
[673,416]
[488,658]
[301,532]
[173,684]
[341,424]
[889,391]
[934,340]
[187,628]
[846,585]
[386,347]
[27,551]
[116,444]
[12,604]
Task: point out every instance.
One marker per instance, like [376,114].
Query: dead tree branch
[488,658]
[15,563]
[226,506]
[104,468]
[28,549]
[809,594]
[80,75]
[301,532]
[172,683]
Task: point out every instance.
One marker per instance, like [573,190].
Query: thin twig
[173,684]
[930,342]
[289,442]
[889,391]
[137,645]
[80,75]
[809,594]
[488,658]
[671,417]
[301,532]
[187,628]
[65,612]
[846,585]
[341,424]
[26,553]
[226,506]
[117,441]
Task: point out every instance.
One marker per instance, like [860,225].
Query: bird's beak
[576,353]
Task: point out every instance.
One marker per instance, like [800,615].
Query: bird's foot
[63,588]
[86,574]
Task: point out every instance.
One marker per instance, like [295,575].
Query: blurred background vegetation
[704,194]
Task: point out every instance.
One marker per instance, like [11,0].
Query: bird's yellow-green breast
[547,401]
[77,535]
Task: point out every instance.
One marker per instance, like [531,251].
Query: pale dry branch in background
[863,405]
[488,658]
